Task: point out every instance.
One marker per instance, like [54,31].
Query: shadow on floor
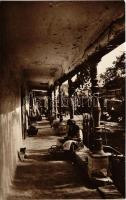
[43,176]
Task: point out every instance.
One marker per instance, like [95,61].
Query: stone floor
[41,176]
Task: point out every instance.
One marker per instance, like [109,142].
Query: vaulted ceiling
[48,39]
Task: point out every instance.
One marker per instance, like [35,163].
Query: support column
[60,104]
[98,160]
[55,103]
[49,103]
[96,109]
[71,103]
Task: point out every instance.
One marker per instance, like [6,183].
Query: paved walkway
[42,177]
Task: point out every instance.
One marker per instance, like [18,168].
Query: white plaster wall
[10,127]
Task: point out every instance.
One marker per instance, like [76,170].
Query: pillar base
[62,128]
[22,153]
[98,164]
[59,128]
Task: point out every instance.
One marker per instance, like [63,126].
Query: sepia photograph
[62,99]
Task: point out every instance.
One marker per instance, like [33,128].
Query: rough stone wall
[10,125]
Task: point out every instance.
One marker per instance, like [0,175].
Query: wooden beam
[112,37]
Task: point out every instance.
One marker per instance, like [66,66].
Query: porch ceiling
[48,39]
